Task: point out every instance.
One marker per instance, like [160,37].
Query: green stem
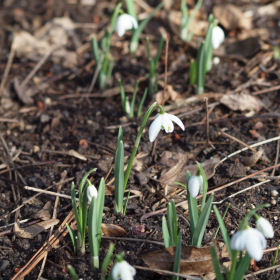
[94,261]
[233,265]
[137,141]
[81,244]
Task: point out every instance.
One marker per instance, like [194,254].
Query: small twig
[261,271]
[266,90]
[62,177]
[239,141]
[207,123]
[38,66]
[7,70]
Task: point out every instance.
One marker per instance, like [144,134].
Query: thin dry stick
[266,90]
[261,271]
[239,141]
[47,246]
[254,145]
[276,158]
[47,192]
[28,200]
[38,66]
[166,66]
[7,70]
[62,177]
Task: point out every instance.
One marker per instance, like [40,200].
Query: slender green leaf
[192,72]
[177,259]
[74,205]
[215,235]
[202,222]
[126,202]
[72,236]
[136,34]
[160,45]
[114,17]
[205,185]
[193,213]
[100,206]
[122,94]
[82,183]
[148,48]
[72,272]
[223,230]
[172,222]
[107,261]
[95,50]
[276,256]
[200,69]
[165,233]
[133,99]
[131,8]
[242,267]
[119,177]
[85,210]
[140,106]
[216,263]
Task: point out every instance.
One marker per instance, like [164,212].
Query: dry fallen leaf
[242,102]
[45,213]
[232,17]
[77,155]
[33,230]
[194,261]
[112,230]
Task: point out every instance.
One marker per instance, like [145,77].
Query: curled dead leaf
[242,102]
[112,230]
[194,261]
[33,230]
[77,155]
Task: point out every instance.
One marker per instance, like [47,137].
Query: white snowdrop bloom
[125,22]
[163,121]
[123,271]
[218,36]
[252,240]
[216,60]
[195,184]
[265,227]
[91,192]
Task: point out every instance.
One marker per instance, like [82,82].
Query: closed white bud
[265,227]
[91,192]
[195,184]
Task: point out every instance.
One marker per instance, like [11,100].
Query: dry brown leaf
[112,230]
[242,102]
[194,261]
[208,166]
[232,17]
[45,213]
[33,230]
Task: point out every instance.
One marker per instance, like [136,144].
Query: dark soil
[37,136]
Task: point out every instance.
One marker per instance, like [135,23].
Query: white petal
[116,272]
[176,120]
[237,241]
[91,192]
[218,36]
[193,186]
[167,123]
[125,22]
[155,127]
[255,243]
[265,227]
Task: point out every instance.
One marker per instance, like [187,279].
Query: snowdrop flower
[123,271]
[163,121]
[265,227]
[125,22]
[252,240]
[218,36]
[91,192]
[195,184]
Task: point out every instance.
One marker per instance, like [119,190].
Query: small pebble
[4,264]
[274,193]
[273,201]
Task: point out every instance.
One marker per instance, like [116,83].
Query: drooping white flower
[125,22]
[123,271]
[195,184]
[163,121]
[252,240]
[218,36]
[265,227]
[91,192]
